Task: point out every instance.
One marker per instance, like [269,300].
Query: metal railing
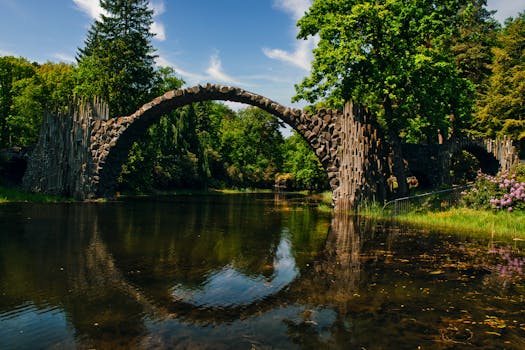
[437,200]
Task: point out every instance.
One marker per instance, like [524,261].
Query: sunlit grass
[242,190]
[469,220]
[8,194]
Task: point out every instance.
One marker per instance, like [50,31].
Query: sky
[250,44]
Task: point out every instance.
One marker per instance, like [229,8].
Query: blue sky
[246,43]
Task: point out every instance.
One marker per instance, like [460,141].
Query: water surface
[248,272]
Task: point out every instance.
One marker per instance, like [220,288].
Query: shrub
[505,191]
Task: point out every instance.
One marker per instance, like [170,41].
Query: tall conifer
[117,61]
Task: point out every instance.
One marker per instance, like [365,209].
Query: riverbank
[13,194]
[459,220]
[462,220]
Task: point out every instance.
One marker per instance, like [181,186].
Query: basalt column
[360,159]
[61,163]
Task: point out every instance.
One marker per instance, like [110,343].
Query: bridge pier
[361,160]
[61,163]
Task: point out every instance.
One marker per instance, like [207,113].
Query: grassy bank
[497,223]
[10,194]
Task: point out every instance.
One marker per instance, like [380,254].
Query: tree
[12,69]
[502,111]
[27,91]
[391,56]
[472,47]
[117,62]
[302,164]
[251,148]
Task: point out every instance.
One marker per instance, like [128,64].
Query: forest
[428,70]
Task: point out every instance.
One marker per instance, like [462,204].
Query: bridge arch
[80,151]
[488,163]
[111,140]
[493,155]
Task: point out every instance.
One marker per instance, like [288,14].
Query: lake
[251,271]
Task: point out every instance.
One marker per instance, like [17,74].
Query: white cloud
[157,28]
[163,61]
[158,7]
[235,106]
[93,10]
[302,55]
[189,77]
[6,53]
[296,8]
[506,8]
[64,57]
[89,7]
[215,72]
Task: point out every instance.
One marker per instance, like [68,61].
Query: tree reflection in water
[214,272]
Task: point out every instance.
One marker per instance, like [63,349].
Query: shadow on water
[248,272]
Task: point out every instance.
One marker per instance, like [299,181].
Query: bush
[505,191]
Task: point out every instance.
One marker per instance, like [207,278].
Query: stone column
[361,161]
[61,163]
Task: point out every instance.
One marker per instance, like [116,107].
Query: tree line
[427,70]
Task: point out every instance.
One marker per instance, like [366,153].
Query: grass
[242,190]
[10,194]
[499,223]
[460,220]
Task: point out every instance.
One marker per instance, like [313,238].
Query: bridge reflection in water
[83,261]
[231,272]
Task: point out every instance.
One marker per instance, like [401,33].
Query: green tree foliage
[50,88]
[250,148]
[472,46]
[502,111]
[391,56]
[117,62]
[27,111]
[306,172]
[12,70]
[207,144]
[27,91]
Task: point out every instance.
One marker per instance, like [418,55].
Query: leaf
[494,333]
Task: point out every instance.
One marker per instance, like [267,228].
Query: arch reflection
[229,287]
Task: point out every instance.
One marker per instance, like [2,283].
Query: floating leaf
[494,333]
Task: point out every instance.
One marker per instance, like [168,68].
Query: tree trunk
[398,166]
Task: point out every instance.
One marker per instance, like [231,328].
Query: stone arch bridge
[80,152]
[431,163]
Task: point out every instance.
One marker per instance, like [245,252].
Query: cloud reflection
[229,287]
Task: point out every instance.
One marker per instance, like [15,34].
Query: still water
[248,272]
